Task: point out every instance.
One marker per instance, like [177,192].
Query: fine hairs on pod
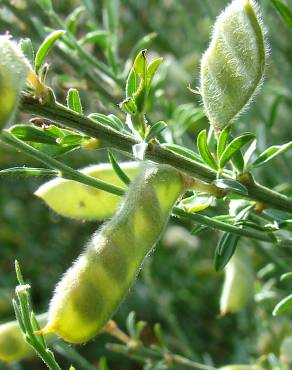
[232,68]
[72,199]
[14,69]
[13,347]
[92,289]
[238,283]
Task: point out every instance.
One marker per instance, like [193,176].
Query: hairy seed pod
[91,290]
[75,200]
[238,283]
[13,71]
[241,367]
[233,66]
[13,347]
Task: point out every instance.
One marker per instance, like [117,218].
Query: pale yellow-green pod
[13,72]
[233,66]
[238,284]
[92,289]
[241,367]
[75,200]
[13,347]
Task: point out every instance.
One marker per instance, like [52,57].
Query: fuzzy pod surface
[72,199]
[238,283]
[92,289]
[13,72]
[233,66]
[13,347]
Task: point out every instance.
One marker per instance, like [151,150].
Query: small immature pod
[75,200]
[12,344]
[238,284]
[13,72]
[92,289]
[233,66]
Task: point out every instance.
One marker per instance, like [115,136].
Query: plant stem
[64,170]
[143,354]
[62,115]
[71,174]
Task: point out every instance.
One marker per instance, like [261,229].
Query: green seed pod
[241,367]
[233,66]
[238,284]
[92,289]
[75,200]
[13,71]
[13,347]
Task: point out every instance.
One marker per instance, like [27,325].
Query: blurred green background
[178,286]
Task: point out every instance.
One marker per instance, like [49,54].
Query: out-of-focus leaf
[284,11]
[271,153]
[283,306]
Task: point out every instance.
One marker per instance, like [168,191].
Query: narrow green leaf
[35,326]
[131,324]
[225,250]
[140,64]
[152,68]
[238,161]
[155,130]
[73,101]
[274,110]
[31,133]
[231,185]
[45,47]
[98,37]
[271,153]
[234,146]
[106,120]
[117,121]
[128,106]
[17,311]
[73,139]
[45,4]
[111,10]
[116,167]
[287,276]
[143,43]
[73,18]
[132,83]
[287,224]
[284,11]
[204,150]
[249,152]
[284,305]
[27,49]
[223,140]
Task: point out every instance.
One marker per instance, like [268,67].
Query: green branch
[62,115]
[71,174]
